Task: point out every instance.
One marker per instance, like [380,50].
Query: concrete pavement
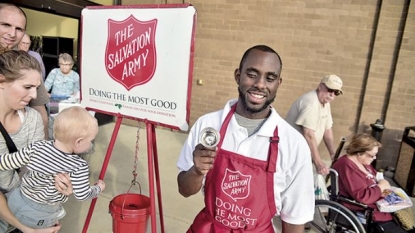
[178,211]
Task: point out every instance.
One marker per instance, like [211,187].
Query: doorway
[58,22]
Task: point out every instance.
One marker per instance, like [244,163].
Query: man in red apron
[259,167]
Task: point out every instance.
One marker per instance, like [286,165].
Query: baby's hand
[101,184]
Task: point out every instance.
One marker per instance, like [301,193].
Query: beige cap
[334,82]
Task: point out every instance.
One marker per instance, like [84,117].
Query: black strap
[9,142]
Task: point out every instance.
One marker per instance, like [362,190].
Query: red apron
[239,191]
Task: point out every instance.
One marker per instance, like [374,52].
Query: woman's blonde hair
[361,143]
[72,123]
[13,62]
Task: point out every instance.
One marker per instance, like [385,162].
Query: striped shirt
[43,162]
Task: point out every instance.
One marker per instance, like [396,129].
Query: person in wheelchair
[357,180]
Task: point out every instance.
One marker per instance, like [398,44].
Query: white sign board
[137,61]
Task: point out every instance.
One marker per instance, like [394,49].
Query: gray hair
[66,57]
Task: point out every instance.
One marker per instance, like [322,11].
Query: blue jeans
[3,226]
[33,214]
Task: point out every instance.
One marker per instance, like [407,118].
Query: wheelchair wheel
[332,217]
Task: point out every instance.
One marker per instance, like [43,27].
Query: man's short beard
[251,110]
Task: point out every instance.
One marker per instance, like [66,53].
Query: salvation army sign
[137,61]
[130,56]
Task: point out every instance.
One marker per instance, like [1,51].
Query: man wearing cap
[311,115]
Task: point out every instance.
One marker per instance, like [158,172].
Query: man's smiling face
[258,82]
[12,26]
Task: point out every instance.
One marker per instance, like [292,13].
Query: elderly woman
[63,81]
[20,75]
[357,179]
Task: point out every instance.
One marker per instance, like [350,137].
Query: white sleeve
[185,161]
[297,197]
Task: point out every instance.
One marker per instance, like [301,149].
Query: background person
[63,80]
[311,115]
[19,79]
[12,28]
[36,203]
[250,169]
[357,179]
[25,46]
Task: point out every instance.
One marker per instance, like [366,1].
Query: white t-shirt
[307,111]
[293,180]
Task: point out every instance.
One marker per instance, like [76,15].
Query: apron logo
[130,55]
[236,185]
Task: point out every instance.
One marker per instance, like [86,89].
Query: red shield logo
[130,56]
[236,185]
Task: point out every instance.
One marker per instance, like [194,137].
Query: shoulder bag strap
[9,142]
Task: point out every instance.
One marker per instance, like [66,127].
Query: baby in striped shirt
[36,202]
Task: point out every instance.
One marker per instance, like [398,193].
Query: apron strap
[273,152]
[273,145]
[225,125]
[273,141]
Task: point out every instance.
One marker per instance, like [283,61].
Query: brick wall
[314,38]
[389,91]
[401,109]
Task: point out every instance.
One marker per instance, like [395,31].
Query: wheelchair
[331,216]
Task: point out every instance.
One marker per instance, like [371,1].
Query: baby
[36,202]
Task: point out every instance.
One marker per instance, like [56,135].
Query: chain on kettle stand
[137,147]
